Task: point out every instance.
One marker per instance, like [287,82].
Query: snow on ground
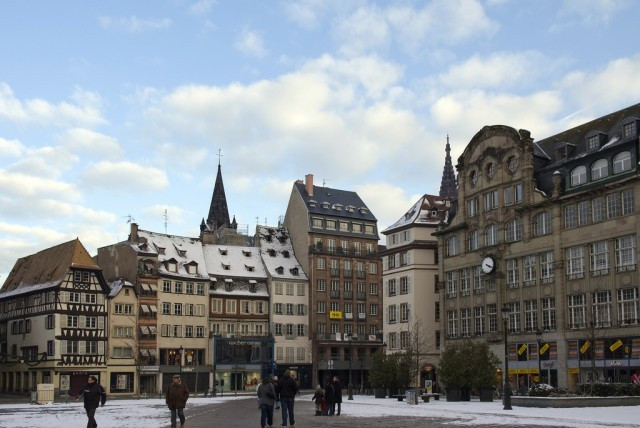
[129,413]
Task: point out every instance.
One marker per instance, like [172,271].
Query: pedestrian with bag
[287,389]
[94,395]
[337,388]
[177,396]
[266,398]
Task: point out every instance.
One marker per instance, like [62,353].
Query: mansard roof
[277,252]
[334,202]
[428,210]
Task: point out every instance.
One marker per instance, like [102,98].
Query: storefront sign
[544,349]
[149,368]
[522,349]
[584,347]
[615,346]
[335,315]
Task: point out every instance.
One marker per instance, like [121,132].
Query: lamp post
[180,360]
[538,337]
[507,385]
[350,360]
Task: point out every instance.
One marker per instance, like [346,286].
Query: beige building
[410,278]
[289,293]
[546,232]
[335,238]
[53,313]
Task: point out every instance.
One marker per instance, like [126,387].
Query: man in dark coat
[177,396]
[287,390]
[94,395]
[337,387]
[330,396]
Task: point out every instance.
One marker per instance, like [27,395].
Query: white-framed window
[491,235]
[621,162]
[513,273]
[452,246]
[166,286]
[404,285]
[577,311]
[531,315]
[513,230]
[177,309]
[392,287]
[478,313]
[614,209]
[492,312]
[404,312]
[599,169]
[575,261]
[392,311]
[514,317]
[465,322]
[231,306]
[628,306]
[472,207]
[331,224]
[548,313]
[578,175]
[513,195]
[465,282]
[188,331]
[491,200]
[216,306]
[478,284]
[321,285]
[472,239]
[627,198]
[542,224]
[599,258]
[74,297]
[452,323]
[598,209]
[90,298]
[373,288]
[321,307]
[529,268]
[593,142]
[177,287]
[301,289]
[316,223]
[72,321]
[452,284]
[373,309]
[602,308]
[626,253]
[546,267]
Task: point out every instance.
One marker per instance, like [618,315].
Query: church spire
[218,211]
[448,187]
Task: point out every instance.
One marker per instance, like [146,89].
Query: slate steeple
[448,186]
[218,211]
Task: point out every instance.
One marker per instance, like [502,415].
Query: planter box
[486,395]
[379,392]
[453,394]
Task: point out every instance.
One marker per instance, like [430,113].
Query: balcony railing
[348,273]
[321,249]
[334,272]
[334,294]
[361,295]
[348,294]
[361,274]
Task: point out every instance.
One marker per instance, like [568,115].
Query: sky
[128,413]
[116,111]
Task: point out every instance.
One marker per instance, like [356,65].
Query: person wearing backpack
[266,398]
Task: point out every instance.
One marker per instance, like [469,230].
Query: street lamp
[538,337]
[507,385]
[350,359]
[180,360]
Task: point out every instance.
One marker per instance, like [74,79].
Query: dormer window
[621,162]
[578,175]
[160,250]
[593,142]
[325,205]
[246,253]
[294,271]
[434,213]
[250,268]
[272,252]
[363,210]
[223,251]
[599,169]
[351,208]
[182,253]
[280,270]
[337,207]
[253,287]
[629,130]
[226,266]
[172,266]
[192,268]
[312,203]
[285,254]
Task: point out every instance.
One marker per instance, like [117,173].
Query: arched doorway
[429,378]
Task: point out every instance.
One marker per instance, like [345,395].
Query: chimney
[308,184]
[133,236]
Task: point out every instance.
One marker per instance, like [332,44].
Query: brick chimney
[308,184]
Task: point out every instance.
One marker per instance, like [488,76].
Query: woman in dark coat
[337,387]
[330,396]
[267,397]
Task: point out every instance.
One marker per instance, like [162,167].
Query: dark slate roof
[548,152]
[333,197]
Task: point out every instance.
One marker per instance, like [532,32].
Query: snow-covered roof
[117,285]
[230,261]
[428,210]
[183,250]
[277,253]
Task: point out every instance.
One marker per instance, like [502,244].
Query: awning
[253,281]
[228,280]
[144,308]
[214,279]
[145,287]
[153,308]
[152,352]
[152,329]
[154,287]
[144,329]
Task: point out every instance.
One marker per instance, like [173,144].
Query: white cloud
[134,24]
[306,13]
[16,183]
[386,201]
[250,43]
[11,148]
[202,7]
[125,176]
[92,143]
[592,13]
[85,111]
[366,29]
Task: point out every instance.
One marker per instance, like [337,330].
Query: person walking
[287,390]
[94,395]
[274,381]
[177,396]
[267,397]
[330,395]
[318,397]
[337,387]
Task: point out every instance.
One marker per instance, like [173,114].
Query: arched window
[453,247]
[473,240]
[578,175]
[491,235]
[542,224]
[599,169]
[513,230]
[621,162]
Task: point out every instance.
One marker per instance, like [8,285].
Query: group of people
[279,393]
[326,400]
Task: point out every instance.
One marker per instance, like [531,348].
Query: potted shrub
[468,365]
[483,375]
[452,371]
[379,375]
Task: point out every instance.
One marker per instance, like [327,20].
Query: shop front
[240,364]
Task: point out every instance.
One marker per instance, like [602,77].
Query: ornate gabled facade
[53,315]
[289,297]
[546,233]
[335,237]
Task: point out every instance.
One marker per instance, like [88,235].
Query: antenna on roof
[265,221]
[219,156]
[166,219]
[130,218]
[324,181]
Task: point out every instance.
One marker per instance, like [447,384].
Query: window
[599,258]
[373,309]
[231,306]
[373,289]
[546,267]
[245,306]
[369,230]
[613,205]
[289,308]
[575,262]
[404,312]
[578,176]
[626,253]
[72,347]
[301,290]
[491,235]
[90,298]
[392,287]
[404,285]
[51,348]
[492,310]
[622,162]
[542,224]
[472,207]
[472,239]
[177,308]
[513,273]
[529,270]
[627,201]
[289,288]
[344,226]
[602,308]
[373,268]
[570,216]
[321,307]
[593,142]
[320,263]
[200,289]
[189,289]
[513,195]
[465,320]
[465,286]
[278,288]
[599,169]
[513,230]
[577,311]
[548,314]
[452,324]
[317,223]
[452,284]
[514,317]
[166,286]
[530,315]
[51,321]
[177,331]
[490,170]
[216,306]
[478,284]
[331,224]
[628,306]
[478,313]
[188,331]
[392,314]
[178,287]
[453,247]
[90,322]
[629,130]
[321,285]
[491,200]
[74,297]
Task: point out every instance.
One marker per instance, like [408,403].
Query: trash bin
[410,396]
[34,397]
[45,393]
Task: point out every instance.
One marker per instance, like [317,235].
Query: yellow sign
[584,347]
[544,348]
[335,315]
[615,345]
[522,349]
[573,371]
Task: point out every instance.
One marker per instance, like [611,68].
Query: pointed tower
[448,187]
[218,211]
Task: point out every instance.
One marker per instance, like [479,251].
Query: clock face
[488,265]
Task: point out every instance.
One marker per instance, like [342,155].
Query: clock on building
[488,264]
